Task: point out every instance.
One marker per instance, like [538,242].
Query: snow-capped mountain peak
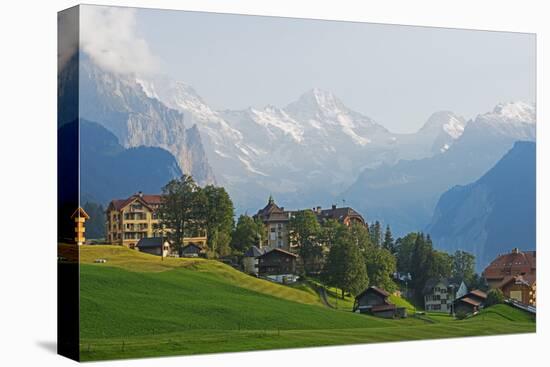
[318,101]
[516,111]
[272,116]
[444,122]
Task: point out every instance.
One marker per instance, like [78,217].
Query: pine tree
[388,240]
[376,233]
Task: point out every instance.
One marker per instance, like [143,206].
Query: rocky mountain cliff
[109,171]
[493,214]
[118,103]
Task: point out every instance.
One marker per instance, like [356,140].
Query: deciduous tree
[305,233]
[182,210]
[345,267]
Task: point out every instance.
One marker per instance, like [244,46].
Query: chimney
[333,206]
[318,209]
[140,194]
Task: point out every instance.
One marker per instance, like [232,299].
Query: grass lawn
[136,305]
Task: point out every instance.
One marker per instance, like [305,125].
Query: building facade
[515,273]
[80,217]
[132,219]
[439,295]
[277,219]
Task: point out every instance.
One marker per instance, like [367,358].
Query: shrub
[494,297]
[461,315]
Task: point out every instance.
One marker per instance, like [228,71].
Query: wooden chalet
[470,303]
[277,262]
[374,301]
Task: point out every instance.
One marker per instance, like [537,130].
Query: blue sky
[398,75]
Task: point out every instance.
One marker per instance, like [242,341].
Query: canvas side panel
[68,333]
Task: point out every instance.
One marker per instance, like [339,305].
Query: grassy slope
[504,312]
[136,305]
[140,262]
[401,302]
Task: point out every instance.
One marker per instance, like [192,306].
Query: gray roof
[150,242]
[254,252]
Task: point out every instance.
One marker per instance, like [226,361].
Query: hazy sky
[397,75]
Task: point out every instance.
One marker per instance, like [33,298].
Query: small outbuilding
[154,246]
[374,301]
[192,250]
[471,302]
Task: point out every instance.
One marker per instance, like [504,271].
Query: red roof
[120,204]
[514,263]
[470,301]
[478,293]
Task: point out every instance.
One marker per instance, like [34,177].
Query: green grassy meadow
[137,305]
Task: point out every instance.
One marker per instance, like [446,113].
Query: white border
[28,184]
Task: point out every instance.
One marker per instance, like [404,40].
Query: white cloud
[108,35]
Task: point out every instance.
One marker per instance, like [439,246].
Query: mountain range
[314,151]
[404,194]
[305,153]
[493,214]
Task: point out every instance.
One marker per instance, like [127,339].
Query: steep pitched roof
[272,212]
[278,250]
[374,289]
[80,212]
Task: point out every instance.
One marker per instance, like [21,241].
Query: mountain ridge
[493,214]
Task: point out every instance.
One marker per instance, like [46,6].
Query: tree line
[349,258]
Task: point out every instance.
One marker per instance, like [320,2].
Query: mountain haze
[404,194]
[305,153]
[118,103]
[493,214]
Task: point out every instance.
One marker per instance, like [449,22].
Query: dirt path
[323,294]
